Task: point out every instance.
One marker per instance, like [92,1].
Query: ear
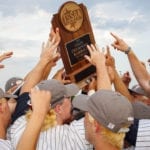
[96,126]
[58,109]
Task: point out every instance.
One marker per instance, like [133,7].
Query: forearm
[139,71]
[29,139]
[103,81]
[120,86]
[47,71]
[34,77]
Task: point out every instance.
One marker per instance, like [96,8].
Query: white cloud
[24,32]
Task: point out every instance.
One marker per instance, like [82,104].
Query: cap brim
[132,91]
[18,88]
[137,92]
[80,102]
[10,96]
[72,89]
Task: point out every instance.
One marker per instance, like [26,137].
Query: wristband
[128,50]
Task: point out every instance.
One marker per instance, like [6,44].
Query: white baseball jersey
[5,145]
[61,137]
[143,136]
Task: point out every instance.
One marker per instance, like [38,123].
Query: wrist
[127,51]
[39,115]
[99,63]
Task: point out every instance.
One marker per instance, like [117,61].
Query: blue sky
[25,24]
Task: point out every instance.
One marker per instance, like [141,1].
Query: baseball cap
[6,95]
[58,90]
[138,90]
[109,108]
[141,110]
[13,82]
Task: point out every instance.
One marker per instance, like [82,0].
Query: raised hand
[110,61]
[119,44]
[96,57]
[5,56]
[126,78]
[40,101]
[60,76]
[49,50]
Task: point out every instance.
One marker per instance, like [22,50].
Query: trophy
[76,33]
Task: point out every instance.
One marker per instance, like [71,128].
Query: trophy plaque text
[76,33]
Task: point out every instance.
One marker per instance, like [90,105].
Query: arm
[97,58]
[120,86]
[138,69]
[40,105]
[53,36]
[118,83]
[36,75]
[5,56]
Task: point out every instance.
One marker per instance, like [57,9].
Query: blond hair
[115,139]
[2,100]
[49,121]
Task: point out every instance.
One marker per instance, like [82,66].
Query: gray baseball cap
[141,110]
[13,82]
[58,90]
[109,108]
[138,90]
[6,95]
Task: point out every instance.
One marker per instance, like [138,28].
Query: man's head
[5,113]
[108,109]
[61,97]
[138,93]
[12,84]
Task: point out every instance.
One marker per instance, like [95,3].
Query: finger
[56,57]
[48,43]
[57,35]
[87,58]
[54,47]
[52,33]
[1,66]
[8,53]
[114,45]
[115,36]
[93,47]
[108,51]
[66,81]
[97,47]
[90,49]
